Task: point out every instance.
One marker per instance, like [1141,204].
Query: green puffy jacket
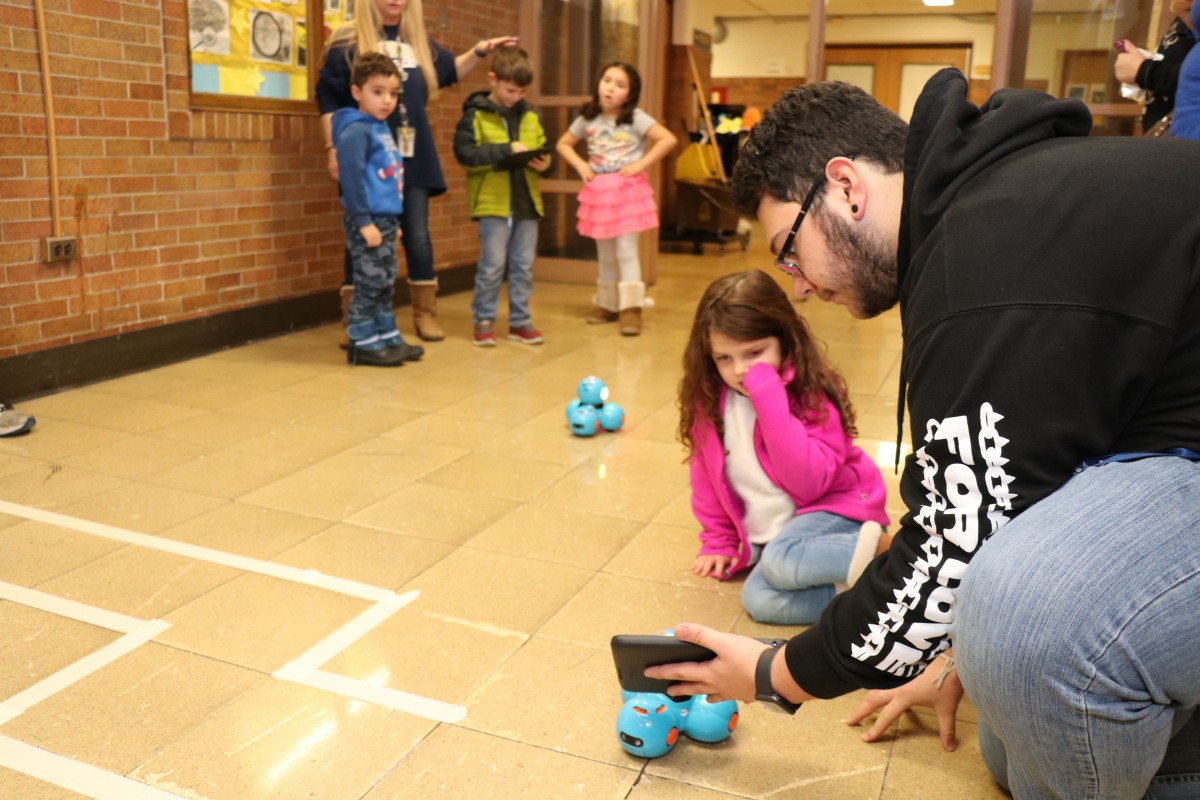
[482,140]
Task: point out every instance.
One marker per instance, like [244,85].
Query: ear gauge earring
[853,209]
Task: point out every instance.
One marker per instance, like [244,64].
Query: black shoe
[383,357]
[409,352]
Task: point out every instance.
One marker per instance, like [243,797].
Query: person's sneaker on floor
[526,334]
[13,422]
[483,334]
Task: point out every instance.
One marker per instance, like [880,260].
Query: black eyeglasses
[782,261]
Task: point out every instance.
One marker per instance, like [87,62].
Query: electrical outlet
[59,248]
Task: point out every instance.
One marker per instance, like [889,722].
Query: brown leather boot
[632,295]
[599,316]
[424,304]
[630,322]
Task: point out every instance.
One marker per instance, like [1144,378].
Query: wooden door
[893,74]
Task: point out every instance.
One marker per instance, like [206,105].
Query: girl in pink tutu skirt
[616,202]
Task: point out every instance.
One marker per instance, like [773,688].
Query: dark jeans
[414,228]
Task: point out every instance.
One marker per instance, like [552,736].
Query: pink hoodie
[819,467]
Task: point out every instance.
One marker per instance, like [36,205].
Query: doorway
[893,75]
[568,41]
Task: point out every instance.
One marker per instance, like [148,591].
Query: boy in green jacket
[503,193]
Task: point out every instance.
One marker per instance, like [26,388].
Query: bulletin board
[245,48]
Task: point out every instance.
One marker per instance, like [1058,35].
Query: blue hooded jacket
[370,169]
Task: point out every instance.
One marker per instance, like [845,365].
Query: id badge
[407,136]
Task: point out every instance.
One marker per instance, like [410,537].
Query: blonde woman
[397,27]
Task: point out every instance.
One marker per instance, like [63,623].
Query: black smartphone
[633,653]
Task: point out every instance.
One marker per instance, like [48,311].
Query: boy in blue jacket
[371,175]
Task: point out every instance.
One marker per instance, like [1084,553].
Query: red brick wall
[179,213]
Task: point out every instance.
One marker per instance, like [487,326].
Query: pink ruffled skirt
[612,204]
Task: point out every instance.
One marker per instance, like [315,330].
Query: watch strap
[763,690]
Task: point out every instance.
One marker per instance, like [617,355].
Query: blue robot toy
[649,724]
[583,419]
[593,391]
[611,417]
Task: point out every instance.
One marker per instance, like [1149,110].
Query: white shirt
[768,508]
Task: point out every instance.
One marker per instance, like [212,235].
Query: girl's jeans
[501,242]
[793,579]
[1078,637]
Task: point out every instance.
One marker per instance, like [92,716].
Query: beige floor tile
[508,476]
[602,487]
[54,439]
[492,589]
[135,457]
[559,535]
[35,552]
[432,512]
[678,512]
[536,440]
[427,654]
[17,785]
[139,582]
[53,487]
[246,530]
[918,762]
[574,691]
[281,741]
[664,553]
[226,473]
[36,644]
[142,507]
[611,604]
[774,755]
[361,417]
[213,429]
[378,558]
[204,394]
[332,489]
[652,788]
[258,622]
[301,442]
[443,430]
[282,406]
[121,715]
[148,384]
[459,763]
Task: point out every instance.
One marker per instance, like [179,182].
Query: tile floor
[265,574]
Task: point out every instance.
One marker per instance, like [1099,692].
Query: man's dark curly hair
[805,128]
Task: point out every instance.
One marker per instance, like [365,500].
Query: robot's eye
[660,709]
[641,711]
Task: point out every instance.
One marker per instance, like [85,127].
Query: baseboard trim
[48,371]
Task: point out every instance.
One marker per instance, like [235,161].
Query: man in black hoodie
[1051,364]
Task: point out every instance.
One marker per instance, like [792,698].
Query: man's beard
[866,262]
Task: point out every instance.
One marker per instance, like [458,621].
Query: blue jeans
[793,579]
[414,225]
[1078,636]
[500,242]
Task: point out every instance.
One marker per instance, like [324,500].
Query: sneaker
[526,334]
[13,422]
[483,334]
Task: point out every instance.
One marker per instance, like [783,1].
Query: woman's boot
[424,304]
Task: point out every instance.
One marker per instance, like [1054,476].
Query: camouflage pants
[374,268]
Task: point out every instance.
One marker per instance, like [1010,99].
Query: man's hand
[331,164]
[540,164]
[923,692]
[1125,68]
[517,147]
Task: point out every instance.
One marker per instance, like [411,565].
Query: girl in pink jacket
[778,485]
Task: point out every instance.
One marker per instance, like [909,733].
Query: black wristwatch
[763,691]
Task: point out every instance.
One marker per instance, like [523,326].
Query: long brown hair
[746,306]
